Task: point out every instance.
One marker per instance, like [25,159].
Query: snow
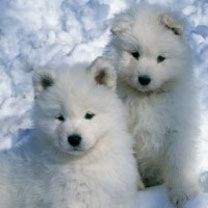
[34,33]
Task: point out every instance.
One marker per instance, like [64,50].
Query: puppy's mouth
[150,92]
[75,151]
[144,90]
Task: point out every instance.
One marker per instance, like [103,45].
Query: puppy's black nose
[74,140]
[144,80]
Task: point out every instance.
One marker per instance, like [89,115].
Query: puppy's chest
[148,121]
[78,187]
[70,190]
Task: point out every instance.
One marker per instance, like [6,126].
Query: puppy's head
[149,47]
[76,108]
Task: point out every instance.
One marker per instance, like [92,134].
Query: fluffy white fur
[46,171]
[162,115]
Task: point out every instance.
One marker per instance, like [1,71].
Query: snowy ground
[33,33]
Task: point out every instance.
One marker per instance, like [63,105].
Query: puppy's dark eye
[160,59]
[60,118]
[89,115]
[135,54]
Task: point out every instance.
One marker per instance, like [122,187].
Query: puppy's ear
[121,25]
[42,80]
[103,72]
[172,24]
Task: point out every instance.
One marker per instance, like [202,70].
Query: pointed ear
[121,25]
[103,72]
[42,80]
[172,24]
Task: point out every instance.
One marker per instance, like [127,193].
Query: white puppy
[80,155]
[155,82]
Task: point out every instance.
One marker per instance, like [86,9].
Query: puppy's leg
[140,184]
[179,170]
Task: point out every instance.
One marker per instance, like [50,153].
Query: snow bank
[34,33]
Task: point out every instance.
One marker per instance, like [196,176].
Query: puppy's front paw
[179,201]
[140,185]
[179,197]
